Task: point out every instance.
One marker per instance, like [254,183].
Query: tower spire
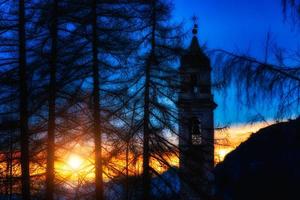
[194,46]
[195,29]
[196,122]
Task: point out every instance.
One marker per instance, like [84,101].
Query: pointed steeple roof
[194,46]
[194,56]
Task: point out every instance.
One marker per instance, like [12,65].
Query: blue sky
[239,26]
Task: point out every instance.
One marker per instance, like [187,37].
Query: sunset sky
[159,99]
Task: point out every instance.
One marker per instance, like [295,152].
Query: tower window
[195,89]
[196,131]
[196,139]
[194,84]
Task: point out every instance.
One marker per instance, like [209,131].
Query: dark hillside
[266,166]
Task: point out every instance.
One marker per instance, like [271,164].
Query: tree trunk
[10,165]
[147,132]
[127,171]
[52,106]
[24,133]
[96,107]
[146,153]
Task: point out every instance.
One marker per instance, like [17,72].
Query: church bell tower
[196,123]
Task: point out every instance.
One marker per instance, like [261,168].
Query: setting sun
[75,161]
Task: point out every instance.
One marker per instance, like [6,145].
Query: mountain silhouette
[266,166]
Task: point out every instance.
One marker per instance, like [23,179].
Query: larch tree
[102,26]
[156,83]
[59,76]
[24,133]
[52,103]
[271,81]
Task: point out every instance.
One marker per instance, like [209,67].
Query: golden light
[229,139]
[223,152]
[75,161]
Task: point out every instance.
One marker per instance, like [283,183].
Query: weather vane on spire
[195,29]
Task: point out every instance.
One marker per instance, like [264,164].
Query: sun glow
[78,162]
[228,139]
[223,152]
[75,161]
[75,164]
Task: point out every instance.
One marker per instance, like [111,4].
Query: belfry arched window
[194,85]
[196,132]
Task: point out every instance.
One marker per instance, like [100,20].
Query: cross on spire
[195,29]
